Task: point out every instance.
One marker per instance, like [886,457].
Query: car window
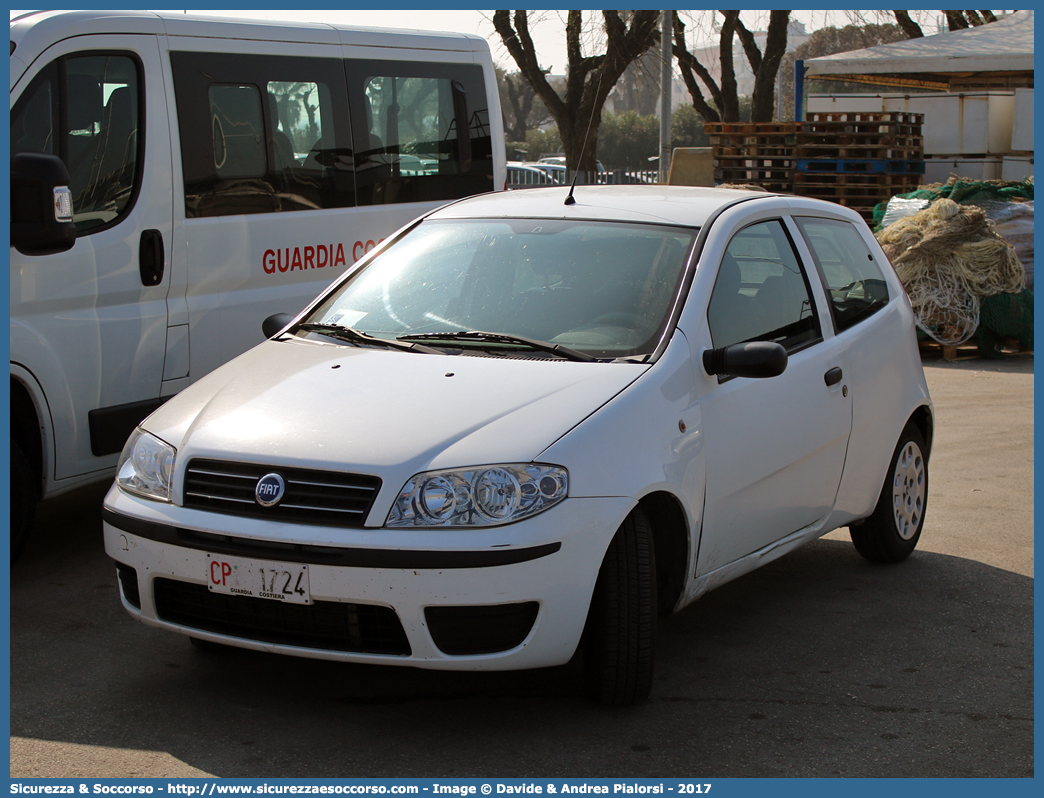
[761,293]
[854,281]
[606,289]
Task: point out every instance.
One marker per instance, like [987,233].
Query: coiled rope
[949,257]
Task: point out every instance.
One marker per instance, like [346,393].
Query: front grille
[311,497]
[461,631]
[327,625]
[129,583]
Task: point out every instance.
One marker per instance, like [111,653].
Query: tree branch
[909,27]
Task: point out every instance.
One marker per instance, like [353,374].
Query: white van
[220,171]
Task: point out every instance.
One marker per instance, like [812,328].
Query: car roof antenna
[569,197]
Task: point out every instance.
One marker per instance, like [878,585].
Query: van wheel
[620,636]
[23,500]
[891,533]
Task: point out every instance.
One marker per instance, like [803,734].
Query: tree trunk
[910,28]
[588,79]
[766,65]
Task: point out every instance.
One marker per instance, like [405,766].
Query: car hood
[383,412]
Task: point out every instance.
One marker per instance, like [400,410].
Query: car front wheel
[621,624]
[891,533]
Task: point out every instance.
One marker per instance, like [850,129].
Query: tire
[891,533]
[620,636]
[23,500]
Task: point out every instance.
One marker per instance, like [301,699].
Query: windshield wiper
[502,338]
[354,336]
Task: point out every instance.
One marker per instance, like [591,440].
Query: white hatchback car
[528,424]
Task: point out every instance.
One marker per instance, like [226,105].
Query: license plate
[278,581]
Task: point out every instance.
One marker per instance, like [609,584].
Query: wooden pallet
[890,117]
[778,177]
[969,350]
[907,148]
[747,128]
[892,183]
[870,167]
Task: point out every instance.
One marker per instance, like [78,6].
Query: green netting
[967,192]
[1003,317]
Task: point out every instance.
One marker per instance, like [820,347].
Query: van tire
[620,635]
[891,533]
[23,500]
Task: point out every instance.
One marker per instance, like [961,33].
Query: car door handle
[150,257]
[833,377]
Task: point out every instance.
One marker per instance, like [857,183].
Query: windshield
[603,289]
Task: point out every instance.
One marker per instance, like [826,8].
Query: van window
[421,131]
[85,109]
[262,134]
[239,131]
[297,113]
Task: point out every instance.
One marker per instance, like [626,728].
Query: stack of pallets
[859,159]
[853,159]
[760,154]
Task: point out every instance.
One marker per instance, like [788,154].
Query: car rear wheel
[23,500]
[621,625]
[891,533]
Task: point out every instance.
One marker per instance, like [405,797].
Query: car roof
[651,204]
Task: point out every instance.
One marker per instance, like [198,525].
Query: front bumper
[545,566]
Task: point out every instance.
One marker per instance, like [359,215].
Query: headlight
[482,496]
[146,466]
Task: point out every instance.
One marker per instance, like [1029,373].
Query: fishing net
[949,259]
[1005,317]
[987,194]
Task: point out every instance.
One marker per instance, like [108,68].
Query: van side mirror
[751,359]
[271,326]
[41,204]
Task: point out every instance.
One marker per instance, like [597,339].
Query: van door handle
[150,257]
[833,377]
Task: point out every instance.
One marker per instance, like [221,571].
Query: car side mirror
[271,326]
[41,204]
[751,359]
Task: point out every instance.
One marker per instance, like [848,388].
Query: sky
[548,28]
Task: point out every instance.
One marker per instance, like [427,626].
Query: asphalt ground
[818,664]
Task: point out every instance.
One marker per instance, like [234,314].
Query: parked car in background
[524,428]
[556,172]
[559,160]
[525,175]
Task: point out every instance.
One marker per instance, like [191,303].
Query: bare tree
[723,105]
[589,79]
[909,27]
[955,20]
[523,110]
